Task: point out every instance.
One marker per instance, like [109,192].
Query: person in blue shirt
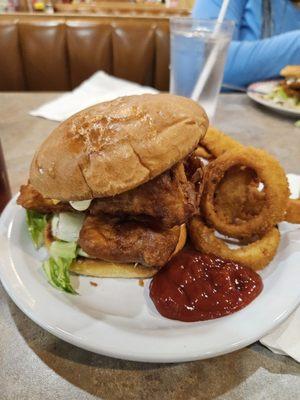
[266,37]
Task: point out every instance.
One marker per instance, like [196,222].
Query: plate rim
[153,358]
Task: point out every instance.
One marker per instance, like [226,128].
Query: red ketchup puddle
[198,287]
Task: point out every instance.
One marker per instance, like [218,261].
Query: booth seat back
[57,54]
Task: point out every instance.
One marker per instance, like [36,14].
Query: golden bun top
[115,146]
[291,71]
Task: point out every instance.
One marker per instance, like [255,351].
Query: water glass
[193,42]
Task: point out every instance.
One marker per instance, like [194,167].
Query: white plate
[117,318]
[266,87]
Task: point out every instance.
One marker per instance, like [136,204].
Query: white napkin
[285,339]
[99,87]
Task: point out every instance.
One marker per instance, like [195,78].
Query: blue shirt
[251,57]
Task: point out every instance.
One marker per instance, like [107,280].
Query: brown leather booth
[50,53]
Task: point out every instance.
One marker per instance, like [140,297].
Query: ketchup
[198,287]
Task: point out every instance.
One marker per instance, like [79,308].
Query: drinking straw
[212,58]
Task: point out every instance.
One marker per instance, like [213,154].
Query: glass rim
[211,21]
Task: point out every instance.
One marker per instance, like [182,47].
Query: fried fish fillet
[31,199]
[168,200]
[110,239]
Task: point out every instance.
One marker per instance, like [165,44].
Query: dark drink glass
[5,193]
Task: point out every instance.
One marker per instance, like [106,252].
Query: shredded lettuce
[57,266]
[297,123]
[36,226]
[281,93]
[57,272]
[59,249]
[278,95]
[62,253]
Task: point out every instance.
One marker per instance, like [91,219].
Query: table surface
[37,365]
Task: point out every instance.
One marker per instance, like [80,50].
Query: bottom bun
[106,269]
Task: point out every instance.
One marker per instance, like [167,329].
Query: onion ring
[237,197]
[254,204]
[217,143]
[276,192]
[233,200]
[255,255]
[293,211]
